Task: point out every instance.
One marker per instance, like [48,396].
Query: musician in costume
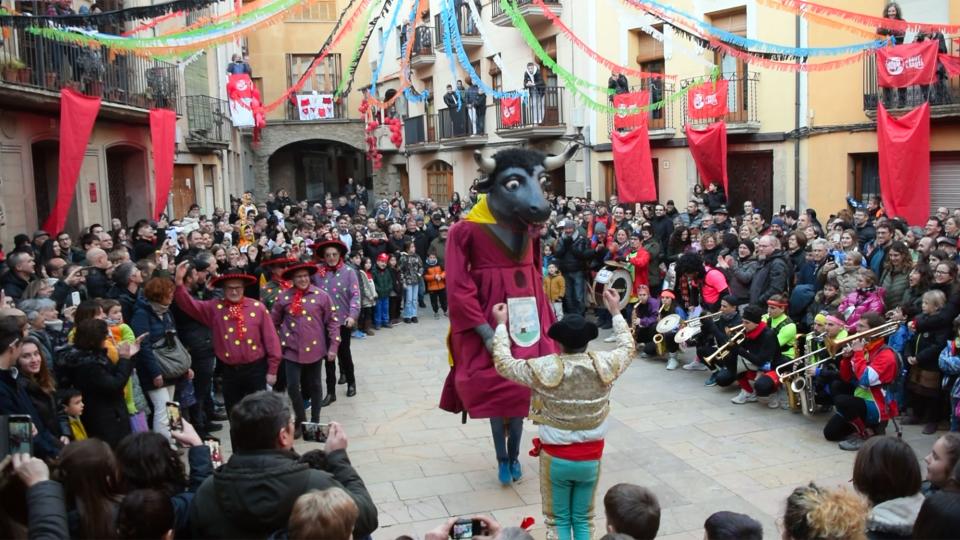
[668,306]
[759,346]
[245,340]
[785,331]
[860,396]
[646,313]
[833,329]
[571,401]
[493,257]
[340,281]
[270,290]
[717,332]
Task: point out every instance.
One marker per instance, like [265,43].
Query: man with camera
[252,495]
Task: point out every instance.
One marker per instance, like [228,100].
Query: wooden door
[183,189]
[751,179]
[440,182]
[404,181]
[609,180]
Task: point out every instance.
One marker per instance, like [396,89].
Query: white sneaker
[773,403]
[612,338]
[672,363]
[744,397]
[696,365]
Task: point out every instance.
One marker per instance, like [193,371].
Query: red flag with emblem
[907,65]
[707,100]
[510,112]
[623,103]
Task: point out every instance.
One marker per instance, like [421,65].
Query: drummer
[670,317]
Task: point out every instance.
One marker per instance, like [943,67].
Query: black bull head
[514,183]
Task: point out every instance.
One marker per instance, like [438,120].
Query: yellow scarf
[480,213]
[76,429]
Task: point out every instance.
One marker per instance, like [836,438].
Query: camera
[315,432]
[173,415]
[466,528]
[216,457]
[18,436]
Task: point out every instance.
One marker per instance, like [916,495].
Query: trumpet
[883,330]
[724,350]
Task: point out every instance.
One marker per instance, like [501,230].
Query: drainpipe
[796,127]
[587,162]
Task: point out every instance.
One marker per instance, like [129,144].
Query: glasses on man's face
[941,272]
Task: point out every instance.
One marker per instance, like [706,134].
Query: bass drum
[613,277]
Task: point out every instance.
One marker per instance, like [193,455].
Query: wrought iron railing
[657,119]
[462,123]
[32,61]
[464,23]
[208,119]
[945,91]
[539,110]
[422,41]
[742,94]
[498,10]
[420,129]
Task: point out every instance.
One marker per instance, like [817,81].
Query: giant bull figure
[493,256]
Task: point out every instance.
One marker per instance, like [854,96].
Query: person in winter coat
[436,281]
[368,295]
[39,383]
[87,368]
[847,273]
[949,363]
[573,252]
[923,354]
[894,278]
[827,300]
[534,84]
[411,272]
[383,282]
[252,494]
[887,472]
[774,274]
[867,297]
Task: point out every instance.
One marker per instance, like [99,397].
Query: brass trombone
[883,330]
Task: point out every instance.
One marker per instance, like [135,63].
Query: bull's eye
[512,185]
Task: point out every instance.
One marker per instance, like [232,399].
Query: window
[322,10]
[495,75]
[734,69]
[258,84]
[440,182]
[325,77]
[866,176]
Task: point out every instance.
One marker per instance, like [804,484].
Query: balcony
[339,110]
[457,129]
[530,11]
[31,62]
[423,54]
[469,33]
[208,124]
[742,110]
[660,123]
[420,134]
[944,95]
[540,117]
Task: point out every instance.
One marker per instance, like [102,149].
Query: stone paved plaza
[697,451]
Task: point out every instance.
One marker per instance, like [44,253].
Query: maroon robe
[482,272]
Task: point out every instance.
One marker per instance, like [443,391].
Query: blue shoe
[712,381]
[306,404]
[358,334]
[504,473]
[515,471]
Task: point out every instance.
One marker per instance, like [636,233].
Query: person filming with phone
[253,493]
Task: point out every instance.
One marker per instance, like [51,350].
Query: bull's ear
[555,162]
[487,165]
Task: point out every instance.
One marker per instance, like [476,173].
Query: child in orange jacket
[435,278]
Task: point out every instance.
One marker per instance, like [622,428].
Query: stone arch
[309,169]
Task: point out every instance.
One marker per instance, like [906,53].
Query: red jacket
[870,370]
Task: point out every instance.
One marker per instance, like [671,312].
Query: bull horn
[555,162]
[486,164]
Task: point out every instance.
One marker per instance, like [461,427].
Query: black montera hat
[573,331]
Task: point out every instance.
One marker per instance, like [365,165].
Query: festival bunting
[708,100]
[633,166]
[907,65]
[709,149]
[904,151]
[363,39]
[868,20]
[116,16]
[950,63]
[631,113]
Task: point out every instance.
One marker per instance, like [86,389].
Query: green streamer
[357,51]
[575,83]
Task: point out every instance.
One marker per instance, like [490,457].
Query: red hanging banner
[950,63]
[709,149]
[625,102]
[163,129]
[904,151]
[907,65]
[77,116]
[510,112]
[708,100]
[633,166]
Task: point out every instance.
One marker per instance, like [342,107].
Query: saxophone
[658,338]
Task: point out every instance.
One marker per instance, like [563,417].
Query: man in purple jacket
[340,282]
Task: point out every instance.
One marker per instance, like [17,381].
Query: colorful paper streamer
[869,20]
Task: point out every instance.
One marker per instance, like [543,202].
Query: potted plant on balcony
[11,70]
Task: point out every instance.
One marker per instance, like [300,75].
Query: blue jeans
[506,437]
[568,489]
[410,299]
[573,297]
[381,312]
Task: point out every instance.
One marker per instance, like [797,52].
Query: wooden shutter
[733,21]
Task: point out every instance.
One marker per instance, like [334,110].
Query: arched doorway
[130,199]
[310,169]
[439,181]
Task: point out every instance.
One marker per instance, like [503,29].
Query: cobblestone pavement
[697,451]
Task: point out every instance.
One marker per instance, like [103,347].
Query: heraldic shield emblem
[524,320]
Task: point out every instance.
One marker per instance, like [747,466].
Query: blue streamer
[383,49]
[449,22]
[410,96]
[448,49]
[754,45]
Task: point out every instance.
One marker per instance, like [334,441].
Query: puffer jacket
[368,291]
[773,277]
[251,496]
[101,382]
[431,275]
[146,321]
[894,519]
[861,301]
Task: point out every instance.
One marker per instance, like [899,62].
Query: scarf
[756,331]
[480,213]
[323,269]
[235,313]
[160,309]
[296,307]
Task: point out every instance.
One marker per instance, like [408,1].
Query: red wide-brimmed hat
[277,261]
[289,272]
[318,249]
[232,275]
